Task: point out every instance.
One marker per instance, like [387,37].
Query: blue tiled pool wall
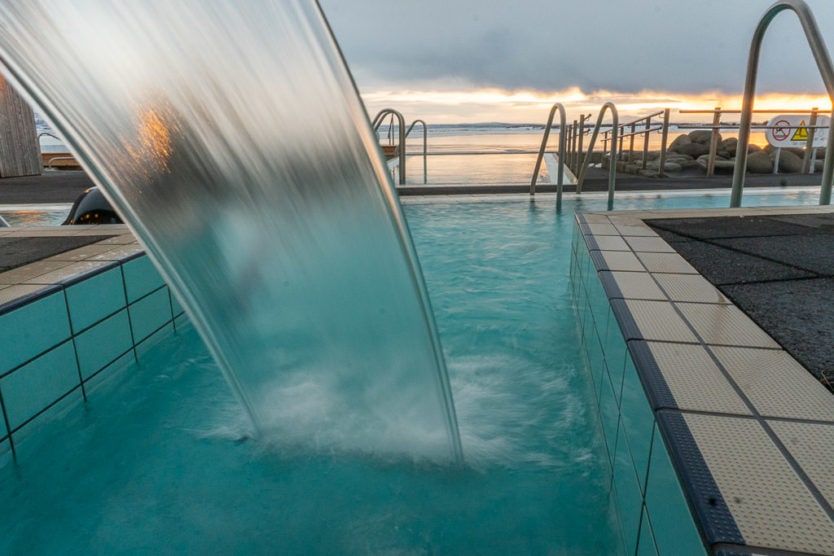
[645,492]
[56,343]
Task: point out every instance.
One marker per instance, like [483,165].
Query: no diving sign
[792,131]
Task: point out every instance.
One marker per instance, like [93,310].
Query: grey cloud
[674,45]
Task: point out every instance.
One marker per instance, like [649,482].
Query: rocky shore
[690,152]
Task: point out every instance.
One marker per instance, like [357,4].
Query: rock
[789,162]
[818,165]
[678,156]
[679,141]
[686,164]
[759,162]
[672,167]
[725,166]
[753,148]
[694,149]
[730,144]
[702,136]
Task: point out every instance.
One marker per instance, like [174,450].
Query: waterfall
[231,138]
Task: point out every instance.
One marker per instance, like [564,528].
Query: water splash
[231,138]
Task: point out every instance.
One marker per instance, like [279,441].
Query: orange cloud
[528,106]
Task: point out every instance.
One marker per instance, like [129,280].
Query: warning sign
[792,131]
[801,134]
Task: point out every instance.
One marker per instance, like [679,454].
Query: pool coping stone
[694,427]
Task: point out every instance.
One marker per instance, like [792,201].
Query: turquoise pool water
[159,459]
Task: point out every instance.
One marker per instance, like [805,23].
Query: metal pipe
[425,147]
[560,174]
[582,118]
[401,133]
[646,142]
[823,60]
[612,170]
[828,166]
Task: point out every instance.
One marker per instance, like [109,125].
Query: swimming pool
[158,460]
[35,215]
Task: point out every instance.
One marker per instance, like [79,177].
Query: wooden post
[807,163]
[713,142]
[581,148]
[664,137]
[19,149]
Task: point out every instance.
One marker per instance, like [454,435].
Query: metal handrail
[56,158]
[401,129]
[48,134]
[425,147]
[612,170]
[560,174]
[823,60]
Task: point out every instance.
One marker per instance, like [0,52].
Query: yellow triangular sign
[800,134]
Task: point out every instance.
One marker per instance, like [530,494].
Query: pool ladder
[568,134]
[398,149]
[823,60]
[571,156]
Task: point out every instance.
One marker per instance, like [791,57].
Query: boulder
[729,144]
[679,141]
[759,162]
[694,149]
[679,156]
[725,166]
[672,167]
[686,164]
[790,162]
[702,136]
[753,148]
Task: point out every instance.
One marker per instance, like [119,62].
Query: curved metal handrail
[425,146]
[401,129]
[612,169]
[823,60]
[560,174]
[48,134]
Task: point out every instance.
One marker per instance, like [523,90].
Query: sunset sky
[451,61]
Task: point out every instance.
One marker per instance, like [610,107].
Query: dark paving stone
[814,253]
[819,221]
[52,187]
[797,314]
[721,266]
[672,237]
[729,226]
[15,252]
